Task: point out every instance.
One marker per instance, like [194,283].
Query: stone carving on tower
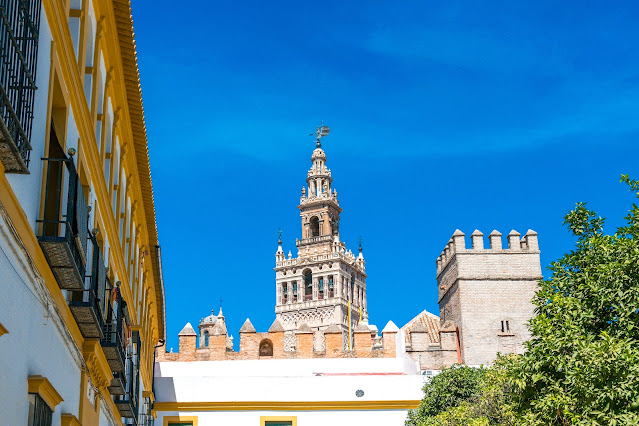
[316,288]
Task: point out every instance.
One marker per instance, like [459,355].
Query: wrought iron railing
[19,31]
[128,404]
[114,335]
[63,233]
[89,306]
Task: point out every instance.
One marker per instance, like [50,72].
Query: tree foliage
[463,395]
[581,366]
[582,363]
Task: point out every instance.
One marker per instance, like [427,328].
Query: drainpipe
[161,343]
[459,359]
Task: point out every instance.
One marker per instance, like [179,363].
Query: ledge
[286,405]
[68,419]
[43,387]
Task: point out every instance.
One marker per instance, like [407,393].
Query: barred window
[39,412]
[19,30]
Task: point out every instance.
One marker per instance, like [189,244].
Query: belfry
[325,284]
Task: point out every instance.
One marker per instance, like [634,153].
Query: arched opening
[315,231]
[266,348]
[206,338]
[308,284]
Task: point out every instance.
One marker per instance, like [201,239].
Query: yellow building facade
[81,291]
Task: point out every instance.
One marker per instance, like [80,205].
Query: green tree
[448,389]
[465,396]
[581,366]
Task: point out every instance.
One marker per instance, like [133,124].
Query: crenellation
[495,240]
[271,345]
[477,240]
[513,240]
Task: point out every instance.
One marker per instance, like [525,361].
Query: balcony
[118,384]
[313,240]
[89,307]
[62,234]
[128,403]
[114,336]
[308,297]
[19,28]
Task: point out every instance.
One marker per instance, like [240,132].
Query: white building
[81,293]
[305,392]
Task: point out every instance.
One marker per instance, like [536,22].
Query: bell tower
[318,286]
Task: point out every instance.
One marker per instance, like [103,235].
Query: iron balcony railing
[19,31]
[128,403]
[89,306]
[63,232]
[114,336]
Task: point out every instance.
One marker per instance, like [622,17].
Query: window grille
[19,30]
[40,413]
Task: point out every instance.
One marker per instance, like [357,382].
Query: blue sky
[443,115]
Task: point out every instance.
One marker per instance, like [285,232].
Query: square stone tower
[488,292]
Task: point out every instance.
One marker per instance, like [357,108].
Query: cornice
[286,405]
[43,387]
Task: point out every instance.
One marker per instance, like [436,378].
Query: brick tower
[486,293]
[315,288]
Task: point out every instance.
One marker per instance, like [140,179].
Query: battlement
[516,245]
[276,344]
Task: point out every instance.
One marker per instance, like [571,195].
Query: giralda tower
[316,288]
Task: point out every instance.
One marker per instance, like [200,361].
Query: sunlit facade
[81,291]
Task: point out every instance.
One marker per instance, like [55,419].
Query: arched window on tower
[308,284]
[206,338]
[315,231]
[266,348]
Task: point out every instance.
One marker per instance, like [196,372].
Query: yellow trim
[3,330]
[286,405]
[97,363]
[68,419]
[149,394]
[264,419]
[43,387]
[192,419]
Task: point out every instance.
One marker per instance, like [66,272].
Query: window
[505,326]
[19,29]
[278,421]
[206,338]
[39,412]
[266,348]
[180,421]
[315,231]
[43,398]
[308,284]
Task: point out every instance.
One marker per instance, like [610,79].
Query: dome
[318,154]
[211,319]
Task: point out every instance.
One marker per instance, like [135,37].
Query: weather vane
[321,131]
[360,241]
[279,235]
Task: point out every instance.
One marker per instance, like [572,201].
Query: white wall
[293,380]
[304,418]
[36,343]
